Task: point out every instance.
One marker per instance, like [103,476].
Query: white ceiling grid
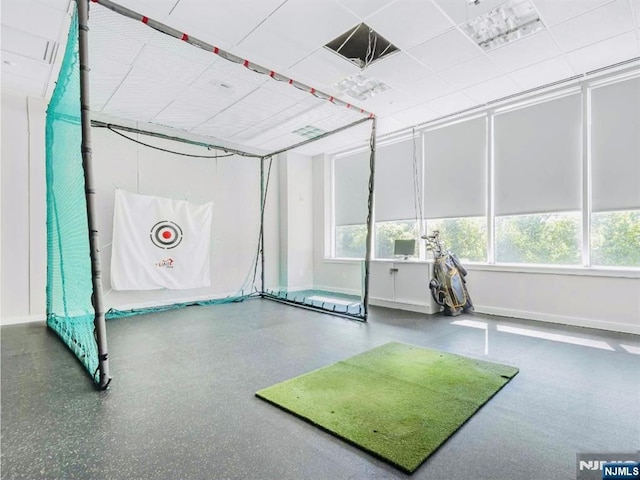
[438,71]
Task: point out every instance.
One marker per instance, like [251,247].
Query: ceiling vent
[361,46]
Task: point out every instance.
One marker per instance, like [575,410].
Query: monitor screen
[406,248]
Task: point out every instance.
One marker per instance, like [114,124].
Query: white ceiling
[438,71]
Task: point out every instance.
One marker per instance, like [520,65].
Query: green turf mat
[398,402]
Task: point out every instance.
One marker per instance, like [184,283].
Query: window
[615,239]
[456,187]
[545,182]
[538,172]
[615,174]
[388,232]
[549,238]
[466,237]
[351,241]
[351,192]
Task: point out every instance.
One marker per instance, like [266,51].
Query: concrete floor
[182,405]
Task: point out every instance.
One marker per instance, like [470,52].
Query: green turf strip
[398,402]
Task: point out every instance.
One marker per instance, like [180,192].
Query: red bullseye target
[166,234]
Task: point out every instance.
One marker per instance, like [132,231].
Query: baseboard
[409,307]
[26,319]
[346,291]
[561,319]
[299,289]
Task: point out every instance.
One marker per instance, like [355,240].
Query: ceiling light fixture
[504,24]
[361,87]
[309,131]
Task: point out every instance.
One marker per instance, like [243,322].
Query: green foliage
[552,238]
[466,237]
[387,232]
[351,241]
[615,239]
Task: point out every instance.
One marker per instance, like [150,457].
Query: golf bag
[448,285]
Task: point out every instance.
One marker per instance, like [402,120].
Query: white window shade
[395,193]
[351,188]
[615,146]
[538,158]
[456,170]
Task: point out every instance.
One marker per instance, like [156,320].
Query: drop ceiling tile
[462,10]
[364,8]
[542,73]
[195,105]
[605,53]
[594,26]
[387,125]
[219,20]
[407,23]
[397,70]
[272,48]
[62,5]
[234,78]
[142,97]
[31,86]
[262,7]
[451,103]
[155,58]
[33,74]
[23,67]
[25,44]
[471,72]
[526,51]
[553,12]
[414,116]
[492,90]
[33,17]
[156,9]
[428,88]
[309,24]
[322,67]
[115,39]
[388,102]
[105,78]
[445,50]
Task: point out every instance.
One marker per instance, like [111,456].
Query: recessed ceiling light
[361,87]
[504,24]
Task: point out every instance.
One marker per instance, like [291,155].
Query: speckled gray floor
[181,405]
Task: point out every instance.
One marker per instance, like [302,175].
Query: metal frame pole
[367,261]
[90,195]
[263,201]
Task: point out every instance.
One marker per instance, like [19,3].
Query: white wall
[334,275]
[296,221]
[231,183]
[610,303]
[23,205]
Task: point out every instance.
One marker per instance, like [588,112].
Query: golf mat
[398,402]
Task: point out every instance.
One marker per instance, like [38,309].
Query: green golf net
[69,310]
